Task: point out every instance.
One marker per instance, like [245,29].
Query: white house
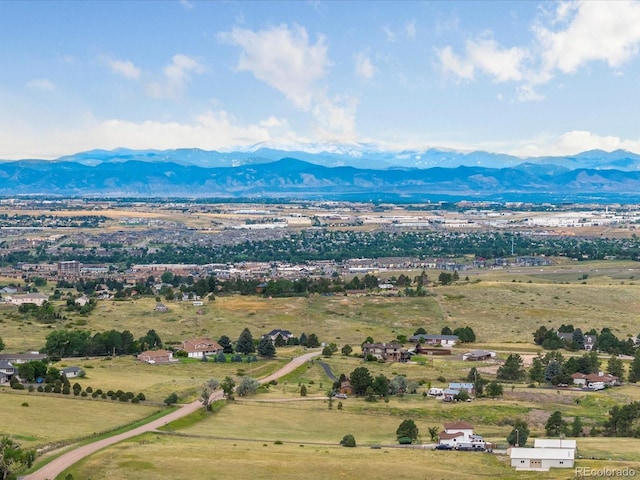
[542,458]
[447,341]
[460,435]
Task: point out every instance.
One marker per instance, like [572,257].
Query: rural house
[199,347]
[388,352]
[589,340]
[478,355]
[586,380]
[455,389]
[71,372]
[7,371]
[156,356]
[460,435]
[273,335]
[447,341]
[36,298]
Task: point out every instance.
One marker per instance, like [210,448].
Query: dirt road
[60,464]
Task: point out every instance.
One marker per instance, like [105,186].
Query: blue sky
[521,77]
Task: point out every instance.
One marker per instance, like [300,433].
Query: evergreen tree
[634,368]
[512,370]
[312,341]
[519,434]
[536,372]
[615,367]
[266,347]
[555,425]
[245,343]
[576,427]
[225,343]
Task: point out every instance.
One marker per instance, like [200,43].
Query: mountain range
[346,173]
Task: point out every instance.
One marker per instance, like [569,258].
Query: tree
[1,344]
[465,334]
[245,342]
[360,380]
[555,425]
[225,343]
[398,385]
[433,433]
[536,372]
[348,441]
[312,341]
[446,331]
[248,386]
[171,399]
[408,429]
[327,352]
[266,347]
[615,367]
[578,339]
[381,385]
[576,427]
[13,457]
[494,390]
[519,434]
[634,368]
[346,350]
[512,370]
[228,385]
[303,391]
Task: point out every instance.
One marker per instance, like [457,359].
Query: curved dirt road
[60,464]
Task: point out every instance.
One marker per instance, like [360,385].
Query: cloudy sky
[520,77]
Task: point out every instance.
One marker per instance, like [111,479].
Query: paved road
[60,464]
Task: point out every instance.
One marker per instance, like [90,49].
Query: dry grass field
[504,308]
[53,418]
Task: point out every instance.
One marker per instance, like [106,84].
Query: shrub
[25,404]
[348,441]
[84,394]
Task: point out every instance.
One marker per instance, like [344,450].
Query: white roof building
[542,459]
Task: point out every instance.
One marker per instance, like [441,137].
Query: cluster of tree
[557,426]
[86,309]
[512,370]
[464,334]
[72,343]
[45,313]
[447,278]
[606,341]
[623,421]
[483,387]
[364,384]
[552,368]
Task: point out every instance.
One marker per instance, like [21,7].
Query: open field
[53,418]
[503,308]
[153,455]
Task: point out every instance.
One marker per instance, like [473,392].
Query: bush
[348,441]
[84,394]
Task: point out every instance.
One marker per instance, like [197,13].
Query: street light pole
[517,437]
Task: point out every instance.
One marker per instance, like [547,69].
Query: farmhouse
[199,347]
[455,389]
[7,371]
[441,340]
[156,356]
[600,377]
[589,340]
[23,357]
[391,352]
[460,435]
[284,335]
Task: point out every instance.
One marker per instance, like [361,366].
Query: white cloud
[526,93]
[176,75]
[593,31]
[453,63]
[211,130]
[283,58]
[391,36]
[125,68]
[364,68]
[485,55]
[186,4]
[410,29]
[573,142]
[41,84]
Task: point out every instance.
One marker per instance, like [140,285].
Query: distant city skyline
[523,78]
